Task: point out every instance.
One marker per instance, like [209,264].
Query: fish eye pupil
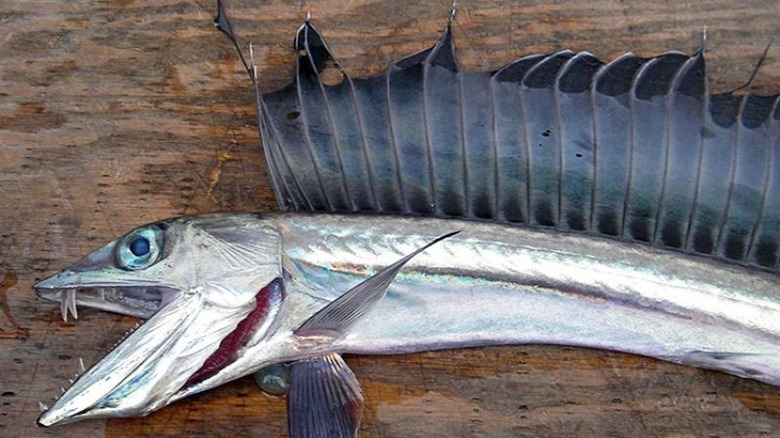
[140,246]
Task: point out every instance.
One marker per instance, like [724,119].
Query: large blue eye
[140,248]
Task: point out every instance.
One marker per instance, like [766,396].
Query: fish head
[152,265]
[207,284]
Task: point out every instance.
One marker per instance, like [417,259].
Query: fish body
[557,200]
[488,285]
[494,285]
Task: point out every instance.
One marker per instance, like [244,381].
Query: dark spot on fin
[703,242]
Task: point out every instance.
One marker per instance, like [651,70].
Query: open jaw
[186,341]
[138,301]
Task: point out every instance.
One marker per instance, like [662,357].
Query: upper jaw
[95,282]
[134,298]
[139,300]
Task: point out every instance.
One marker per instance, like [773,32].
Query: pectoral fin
[324,399]
[356,302]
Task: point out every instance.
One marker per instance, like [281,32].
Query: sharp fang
[62,389]
[82,368]
[72,303]
[42,406]
[64,306]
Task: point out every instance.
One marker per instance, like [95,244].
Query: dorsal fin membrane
[616,78]
[636,149]
[577,76]
[312,50]
[577,136]
[443,53]
[656,79]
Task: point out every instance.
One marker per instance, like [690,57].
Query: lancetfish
[557,200]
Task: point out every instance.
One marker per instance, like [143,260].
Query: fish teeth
[72,303]
[82,368]
[43,407]
[63,306]
[68,304]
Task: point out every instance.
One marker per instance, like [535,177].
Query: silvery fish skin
[490,284]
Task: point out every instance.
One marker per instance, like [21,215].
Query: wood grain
[117,113]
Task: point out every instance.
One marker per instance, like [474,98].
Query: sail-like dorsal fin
[635,148]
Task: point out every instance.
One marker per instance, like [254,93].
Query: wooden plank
[117,113]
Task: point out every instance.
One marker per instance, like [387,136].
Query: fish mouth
[138,301]
[141,373]
[185,341]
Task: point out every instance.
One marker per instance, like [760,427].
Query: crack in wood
[216,172]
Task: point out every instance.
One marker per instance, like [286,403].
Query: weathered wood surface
[117,113]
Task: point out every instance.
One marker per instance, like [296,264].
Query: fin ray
[324,399]
[348,308]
